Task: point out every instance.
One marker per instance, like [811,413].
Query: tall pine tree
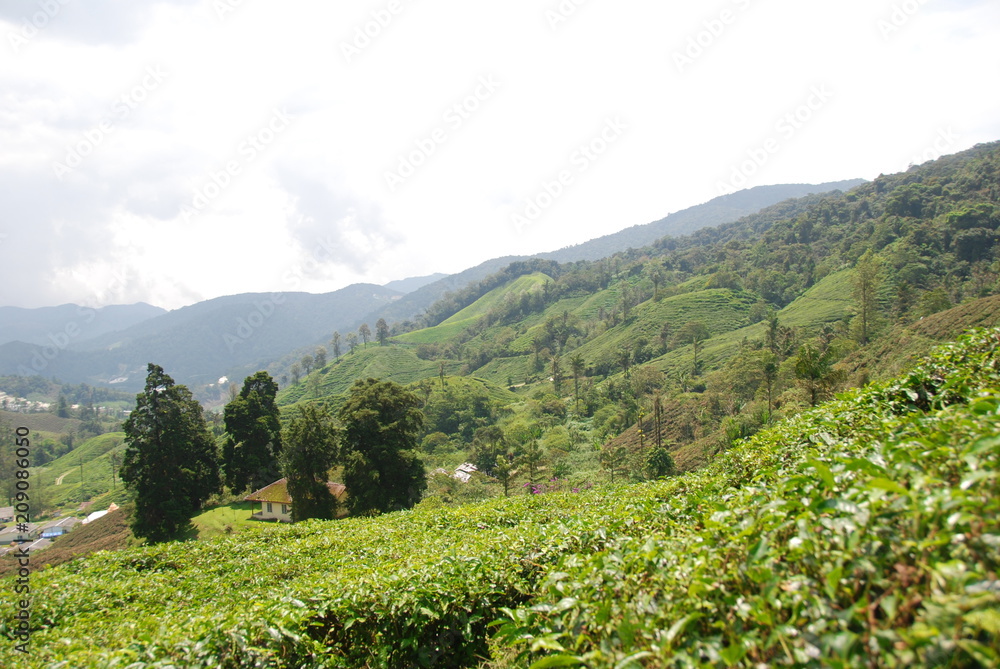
[253,443]
[309,453]
[170,457]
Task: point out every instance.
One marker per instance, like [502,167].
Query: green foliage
[253,435]
[170,461]
[381,421]
[861,533]
[310,452]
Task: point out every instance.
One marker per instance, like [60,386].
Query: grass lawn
[216,520]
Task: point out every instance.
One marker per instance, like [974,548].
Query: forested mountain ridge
[694,342]
[719,210]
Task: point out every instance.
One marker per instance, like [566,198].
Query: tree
[62,407]
[531,459]
[504,472]
[309,452]
[381,421]
[352,341]
[659,463]
[577,366]
[866,285]
[253,443]
[308,363]
[335,345]
[382,331]
[693,332]
[170,460]
[814,369]
[769,369]
[320,357]
[614,458]
[657,277]
[557,376]
[365,333]
[296,373]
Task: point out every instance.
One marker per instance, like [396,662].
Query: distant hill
[723,209]
[227,336]
[49,325]
[414,283]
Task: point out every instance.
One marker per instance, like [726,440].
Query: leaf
[731,655]
[557,661]
[631,659]
[887,485]
[824,473]
[678,627]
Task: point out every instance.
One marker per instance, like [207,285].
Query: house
[58,527]
[276,503]
[465,471]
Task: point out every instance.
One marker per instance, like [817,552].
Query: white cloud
[264,225]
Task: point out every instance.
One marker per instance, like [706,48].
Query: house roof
[277,492]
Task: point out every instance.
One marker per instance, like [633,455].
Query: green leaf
[887,485]
[678,627]
[557,661]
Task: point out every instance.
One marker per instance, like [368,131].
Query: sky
[172,151]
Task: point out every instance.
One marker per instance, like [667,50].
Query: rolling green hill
[862,532]
[466,317]
[94,479]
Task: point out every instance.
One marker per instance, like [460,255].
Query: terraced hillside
[862,533]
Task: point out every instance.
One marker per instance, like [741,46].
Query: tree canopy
[253,442]
[309,453]
[381,421]
[170,457]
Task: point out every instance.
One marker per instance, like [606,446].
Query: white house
[276,503]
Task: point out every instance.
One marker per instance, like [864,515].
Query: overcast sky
[178,150]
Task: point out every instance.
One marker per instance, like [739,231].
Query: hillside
[862,532]
[85,472]
[720,210]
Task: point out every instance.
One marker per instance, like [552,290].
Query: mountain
[719,324]
[51,325]
[718,211]
[414,283]
[227,336]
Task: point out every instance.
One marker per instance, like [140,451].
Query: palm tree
[577,366]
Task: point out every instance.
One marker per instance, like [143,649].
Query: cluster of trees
[174,465]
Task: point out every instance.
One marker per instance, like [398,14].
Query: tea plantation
[864,533]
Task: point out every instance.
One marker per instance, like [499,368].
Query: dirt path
[59,480]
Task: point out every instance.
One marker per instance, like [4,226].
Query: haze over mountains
[236,335]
